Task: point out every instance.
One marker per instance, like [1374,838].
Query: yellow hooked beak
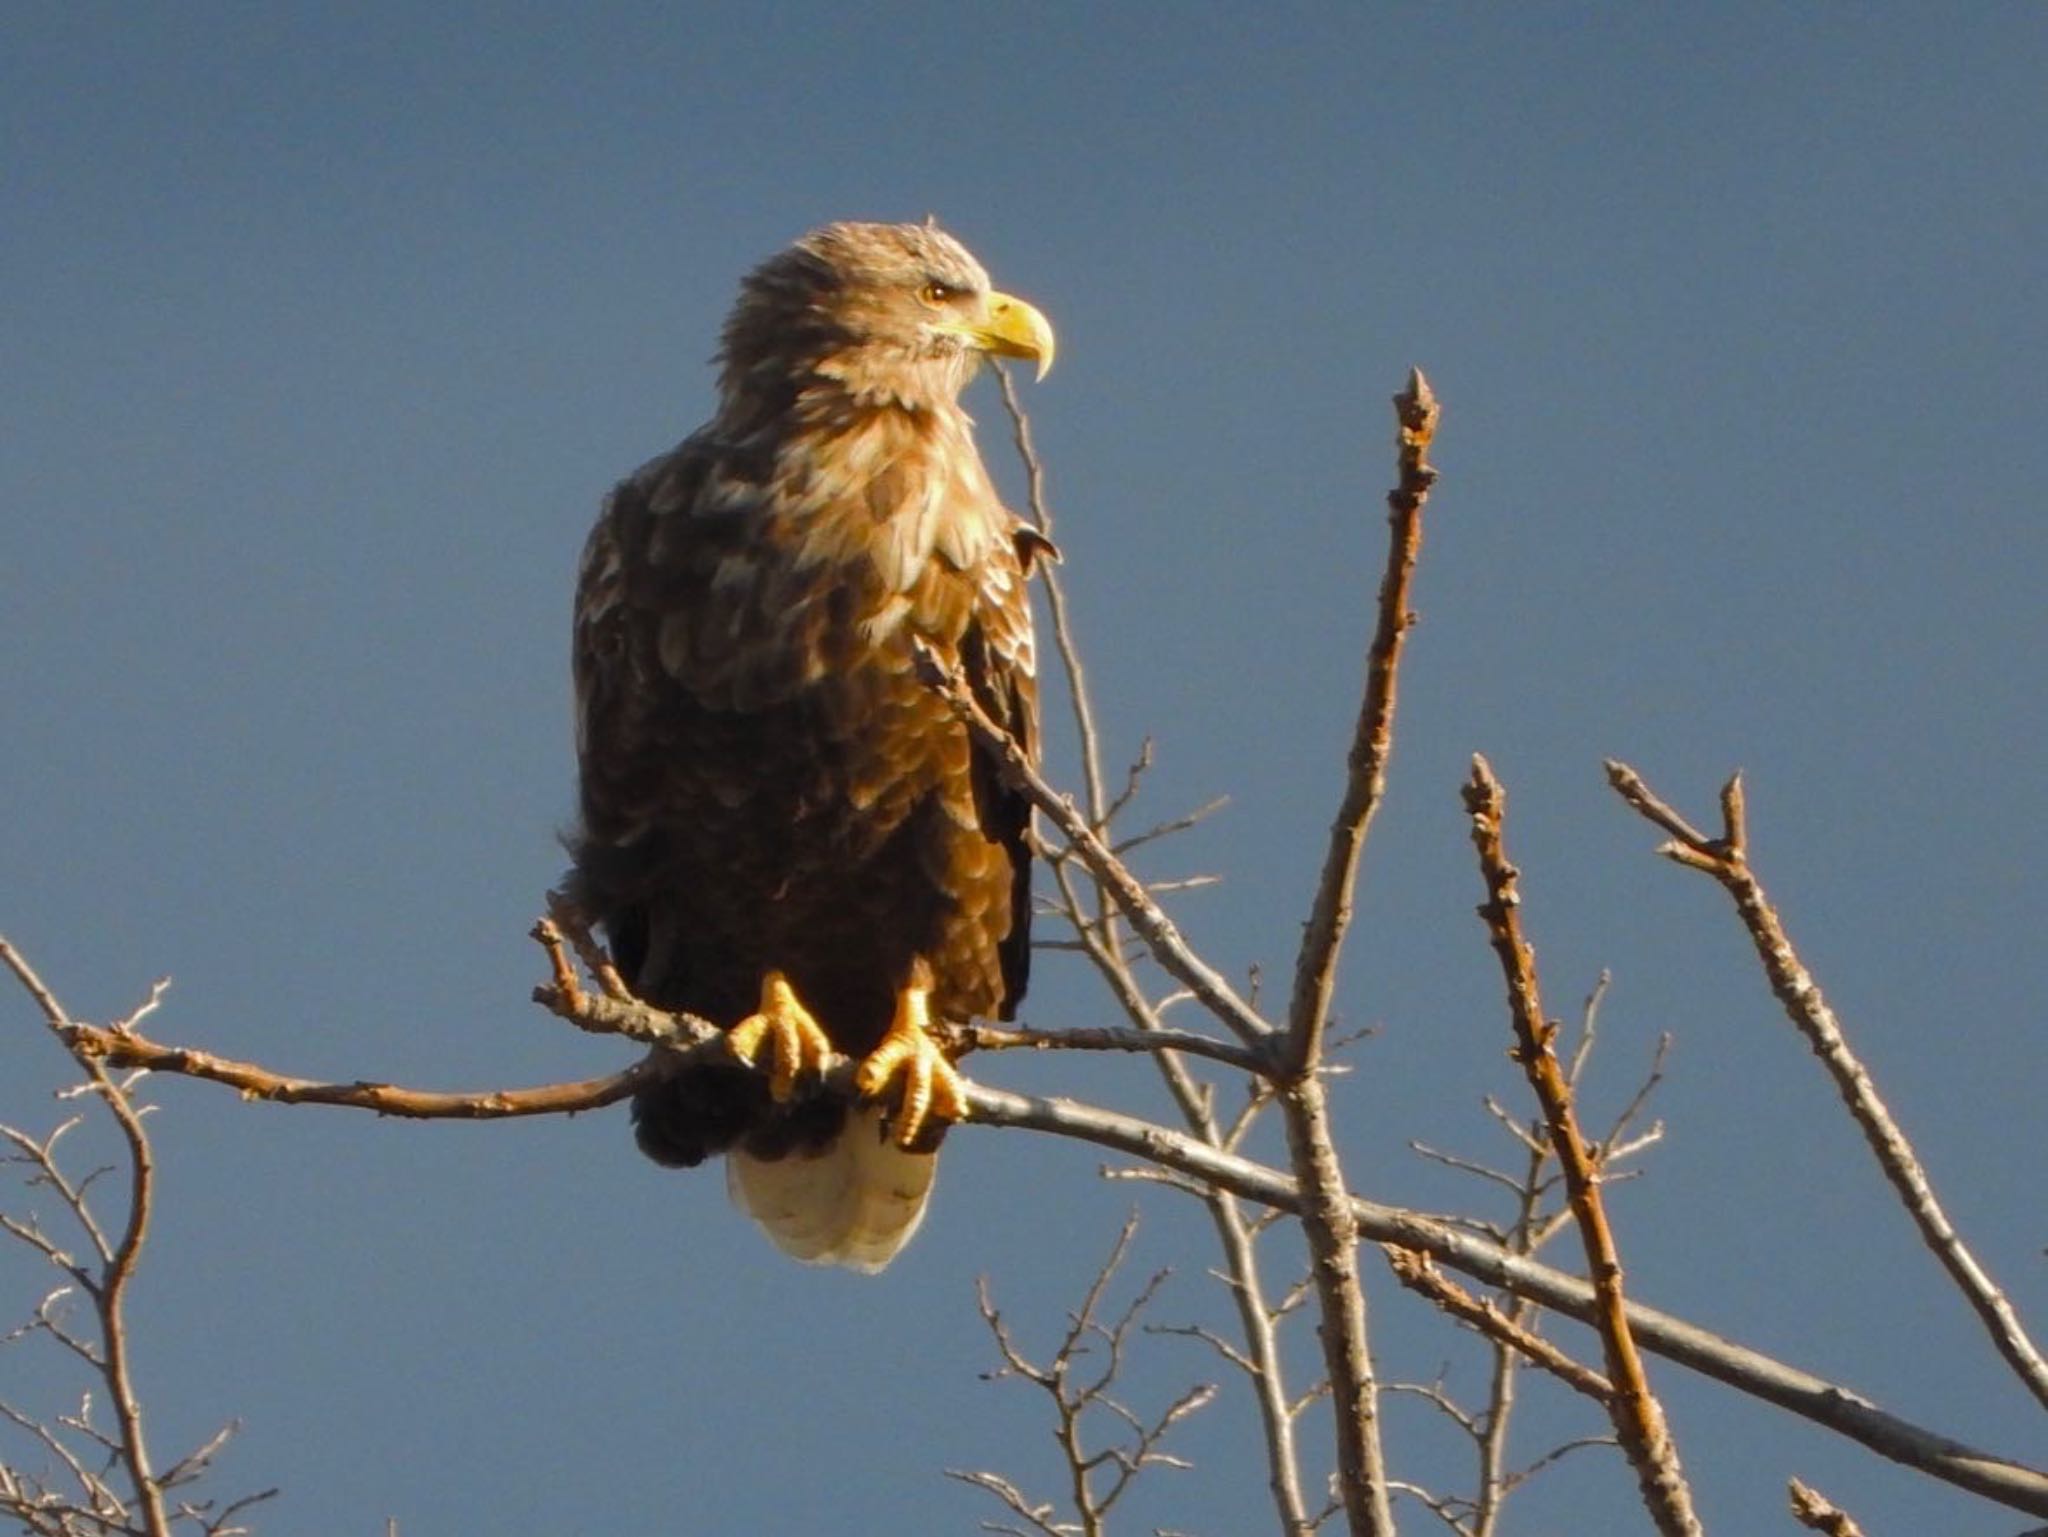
[1014,329]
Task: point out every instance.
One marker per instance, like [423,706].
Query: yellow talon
[797,1044]
[933,1093]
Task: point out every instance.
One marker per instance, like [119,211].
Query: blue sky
[327,332]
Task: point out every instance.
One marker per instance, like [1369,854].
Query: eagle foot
[934,1095]
[796,1042]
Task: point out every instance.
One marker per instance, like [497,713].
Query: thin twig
[1417,413]
[1168,947]
[109,1290]
[1726,859]
[1075,1393]
[1416,1272]
[1814,1512]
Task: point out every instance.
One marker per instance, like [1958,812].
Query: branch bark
[1315,971]
[1638,1417]
[1326,1217]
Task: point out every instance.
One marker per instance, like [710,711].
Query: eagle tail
[856,1201]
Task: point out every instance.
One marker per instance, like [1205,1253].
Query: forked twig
[1726,859]
[89,1453]
[1097,1478]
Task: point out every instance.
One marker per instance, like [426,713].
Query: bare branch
[108,1289]
[1146,916]
[1417,412]
[1040,1516]
[1417,1273]
[1330,1224]
[256,1082]
[1589,1028]
[1465,1166]
[978,1037]
[1825,1403]
[1073,1397]
[1727,859]
[1638,1418]
[1326,1217]
[1179,824]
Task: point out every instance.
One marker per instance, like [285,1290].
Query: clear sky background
[324,333]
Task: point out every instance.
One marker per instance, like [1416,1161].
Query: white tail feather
[856,1202]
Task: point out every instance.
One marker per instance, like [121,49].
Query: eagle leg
[797,1043]
[934,1094]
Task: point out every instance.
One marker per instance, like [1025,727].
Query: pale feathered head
[889,313]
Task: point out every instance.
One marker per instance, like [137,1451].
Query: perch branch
[1825,1403]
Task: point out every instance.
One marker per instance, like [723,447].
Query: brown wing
[998,658]
[671,654]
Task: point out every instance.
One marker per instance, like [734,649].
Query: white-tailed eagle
[783,829]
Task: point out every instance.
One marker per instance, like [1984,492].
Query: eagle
[782,829]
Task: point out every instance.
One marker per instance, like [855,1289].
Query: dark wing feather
[996,655]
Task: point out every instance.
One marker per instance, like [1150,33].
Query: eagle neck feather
[881,483]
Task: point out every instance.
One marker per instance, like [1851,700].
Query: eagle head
[890,313]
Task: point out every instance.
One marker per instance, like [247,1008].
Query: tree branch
[1074,1394]
[1638,1418]
[1158,931]
[1099,938]
[1824,1403]
[1326,1218]
[1315,971]
[109,1290]
[1726,859]
[1419,1274]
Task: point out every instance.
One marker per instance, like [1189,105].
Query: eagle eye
[936,292]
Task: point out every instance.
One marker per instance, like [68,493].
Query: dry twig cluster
[97,1479]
